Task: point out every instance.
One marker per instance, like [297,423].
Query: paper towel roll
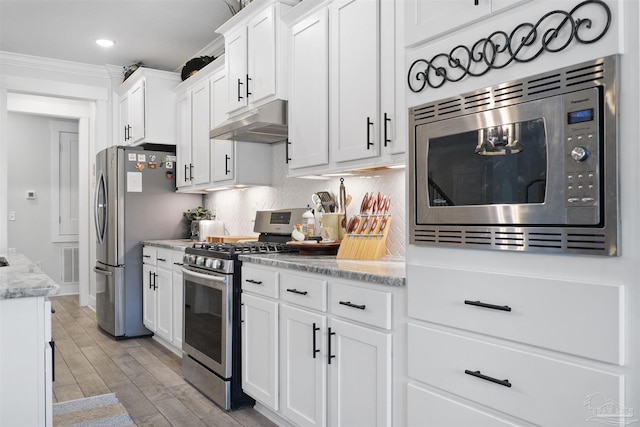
[209,227]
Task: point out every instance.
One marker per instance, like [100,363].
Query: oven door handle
[204,276]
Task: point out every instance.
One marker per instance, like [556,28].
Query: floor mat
[103,410]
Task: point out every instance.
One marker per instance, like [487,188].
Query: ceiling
[164,34]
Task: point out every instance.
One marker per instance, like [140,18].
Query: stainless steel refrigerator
[135,201]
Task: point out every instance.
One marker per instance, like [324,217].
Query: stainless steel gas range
[212,291]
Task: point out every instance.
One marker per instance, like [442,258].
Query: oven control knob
[189,259]
[218,264]
[200,261]
[209,262]
[579,154]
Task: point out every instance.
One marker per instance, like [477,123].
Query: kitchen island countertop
[176,244]
[386,271]
[22,278]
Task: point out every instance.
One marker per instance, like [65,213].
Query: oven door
[207,319]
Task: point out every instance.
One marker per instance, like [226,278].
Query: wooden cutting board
[229,239]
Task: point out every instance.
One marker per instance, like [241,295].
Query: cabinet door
[426,19]
[219,98]
[149,297]
[236,63]
[164,305]
[392,121]
[260,349]
[223,157]
[178,309]
[200,143]
[137,112]
[183,149]
[354,75]
[303,367]
[123,130]
[308,104]
[261,58]
[359,376]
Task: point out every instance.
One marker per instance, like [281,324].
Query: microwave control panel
[582,156]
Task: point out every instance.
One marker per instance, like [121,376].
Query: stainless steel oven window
[207,320]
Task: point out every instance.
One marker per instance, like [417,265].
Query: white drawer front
[542,390]
[259,281]
[164,258]
[177,260]
[149,255]
[428,409]
[304,291]
[584,319]
[360,304]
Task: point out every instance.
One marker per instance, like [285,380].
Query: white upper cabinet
[343,87]
[309,97]
[354,58]
[147,108]
[255,54]
[426,19]
[193,144]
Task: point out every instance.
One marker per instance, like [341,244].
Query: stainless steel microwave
[528,165]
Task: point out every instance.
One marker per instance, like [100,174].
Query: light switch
[12,215]
[31,194]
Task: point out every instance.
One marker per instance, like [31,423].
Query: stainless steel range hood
[267,123]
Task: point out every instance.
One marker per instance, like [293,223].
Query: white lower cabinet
[26,367]
[330,371]
[162,296]
[494,349]
[260,349]
[426,409]
[359,375]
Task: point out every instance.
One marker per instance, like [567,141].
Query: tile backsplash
[237,207]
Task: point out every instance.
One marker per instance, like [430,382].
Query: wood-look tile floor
[146,377]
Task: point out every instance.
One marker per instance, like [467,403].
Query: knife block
[364,246]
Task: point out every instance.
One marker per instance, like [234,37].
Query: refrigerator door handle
[100,228]
[103,272]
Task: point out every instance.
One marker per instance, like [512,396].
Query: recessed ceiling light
[105,42]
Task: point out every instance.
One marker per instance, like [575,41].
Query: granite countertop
[386,271]
[22,278]
[176,245]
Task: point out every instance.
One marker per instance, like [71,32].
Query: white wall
[29,148]
[237,208]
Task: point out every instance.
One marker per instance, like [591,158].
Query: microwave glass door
[505,164]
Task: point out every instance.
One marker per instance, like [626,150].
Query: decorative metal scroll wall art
[552,33]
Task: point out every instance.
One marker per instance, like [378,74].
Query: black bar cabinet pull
[295,291]
[315,350]
[52,343]
[349,304]
[369,124]
[476,2]
[129,132]
[486,305]
[178,263]
[190,171]
[248,80]
[287,158]
[386,136]
[255,282]
[150,279]
[162,259]
[125,133]
[227,171]
[478,374]
[186,173]
[329,355]
[146,256]
[239,84]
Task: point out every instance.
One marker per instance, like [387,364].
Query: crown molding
[56,65]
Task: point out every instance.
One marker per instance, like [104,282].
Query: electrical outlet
[12,215]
